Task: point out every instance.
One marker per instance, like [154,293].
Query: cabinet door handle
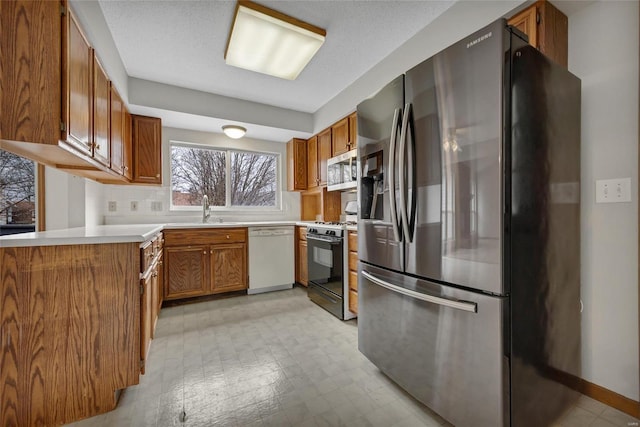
[228,236]
[157,175]
[211,251]
[205,252]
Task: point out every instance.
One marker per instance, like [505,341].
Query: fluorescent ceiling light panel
[269,42]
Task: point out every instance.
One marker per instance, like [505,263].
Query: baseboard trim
[608,397]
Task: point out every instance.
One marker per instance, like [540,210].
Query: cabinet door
[353,131]
[153,302]
[79,102]
[117,131]
[147,150]
[297,165]
[302,262]
[526,21]
[127,148]
[312,162]
[324,152]
[228,267]
[340,137]
[160,282]
[186,271]
[101,95]
[146,321]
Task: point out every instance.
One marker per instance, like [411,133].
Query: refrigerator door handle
[392,175]
[406,175]
[471,307]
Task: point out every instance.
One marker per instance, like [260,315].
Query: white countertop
[116,233]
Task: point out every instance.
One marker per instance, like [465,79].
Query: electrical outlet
[613,190]
[134,206]
[113,206]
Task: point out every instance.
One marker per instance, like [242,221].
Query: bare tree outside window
[17,190]
[253,179]
[196,171]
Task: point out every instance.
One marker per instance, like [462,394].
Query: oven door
[324,257]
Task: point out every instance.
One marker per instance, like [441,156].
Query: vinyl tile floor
[276,359]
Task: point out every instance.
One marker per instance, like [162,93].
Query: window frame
[227,207]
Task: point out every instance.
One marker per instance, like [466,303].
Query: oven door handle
[332,240]
[457,304]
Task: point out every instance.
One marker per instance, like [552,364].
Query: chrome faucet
[205,209]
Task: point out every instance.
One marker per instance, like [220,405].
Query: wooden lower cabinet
[70,319]
[353,271]
[228,267]
[150,292]
[302,272]
[186,271]
[216,264]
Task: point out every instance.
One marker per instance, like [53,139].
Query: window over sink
[232,179]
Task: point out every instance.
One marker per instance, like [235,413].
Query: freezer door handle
[392,175]
[471,307]
[407,173]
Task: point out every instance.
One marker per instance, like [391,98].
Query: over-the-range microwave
[342,171]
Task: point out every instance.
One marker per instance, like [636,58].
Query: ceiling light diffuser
[233,131]
[270,42]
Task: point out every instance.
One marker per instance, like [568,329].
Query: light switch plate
[134,206]
[113,206]
[156,206]
[613,190]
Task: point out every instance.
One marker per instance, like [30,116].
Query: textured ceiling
[182,43]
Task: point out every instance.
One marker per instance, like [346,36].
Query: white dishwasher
[271,259]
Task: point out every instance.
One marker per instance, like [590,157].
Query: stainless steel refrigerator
[469,231]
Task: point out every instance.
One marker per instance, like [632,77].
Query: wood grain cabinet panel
[216,262]
[70,331]
[120,142]
[313,179]
[228,267]
[301,256]
[296,165]
[353,131]
[101,112]
[324,153]
[352,243]
[547,29]
[186,271]
[340,137]
[147,149]
[146,320]
[78,79]
[127,153]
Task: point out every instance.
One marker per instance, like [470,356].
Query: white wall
[64,200]
[145,195]
[603,52]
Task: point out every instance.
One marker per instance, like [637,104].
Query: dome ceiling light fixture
[270,42]
[234,131]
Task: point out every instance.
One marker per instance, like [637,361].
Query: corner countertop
[83,235]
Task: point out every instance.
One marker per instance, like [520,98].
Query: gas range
[326,228]
[329,228]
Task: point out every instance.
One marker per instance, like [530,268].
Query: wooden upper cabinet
[127,149]
[147,149]
[297,165]
[353,131]
[547,29]
[120,126]
[117,128]
[30,87]
[101,96]
[312,162]
[340,137]
[324,153]
[78,78]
